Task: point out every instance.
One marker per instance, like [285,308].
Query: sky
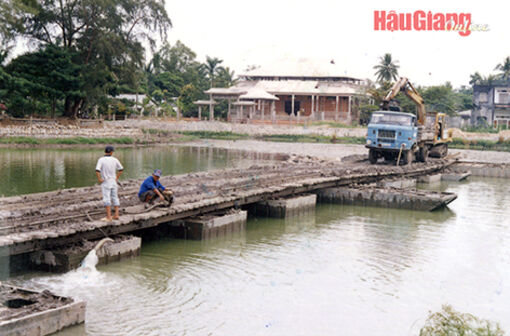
[259,32]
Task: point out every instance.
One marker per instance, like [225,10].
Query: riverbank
[332,151]
[152,131]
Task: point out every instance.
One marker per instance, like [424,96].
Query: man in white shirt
[108,171]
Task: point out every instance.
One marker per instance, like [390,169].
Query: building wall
[483,99]
[325,104]
[487,105]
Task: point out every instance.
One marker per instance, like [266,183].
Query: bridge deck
[46,220]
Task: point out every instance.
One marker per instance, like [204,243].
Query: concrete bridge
[48,220]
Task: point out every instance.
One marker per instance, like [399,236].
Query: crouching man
[151,189]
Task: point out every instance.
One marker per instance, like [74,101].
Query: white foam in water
[90,261]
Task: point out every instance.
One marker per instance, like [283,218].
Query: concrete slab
[436,178]
[400,184]
[69,257]
[286,207]
[387,197]
[455,177]
[211,226]
[26,313]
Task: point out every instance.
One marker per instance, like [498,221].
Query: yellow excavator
[398,135]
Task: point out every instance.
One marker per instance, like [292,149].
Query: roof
[258,93]
[231,91]
[243,103]
[300,67]
[205,102]
[301,87]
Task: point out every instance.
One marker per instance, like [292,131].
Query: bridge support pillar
[210,226]
[69,257]
[286,207]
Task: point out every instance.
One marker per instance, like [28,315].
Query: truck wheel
[372,156]
[423,154]
[445,151]
[407,157]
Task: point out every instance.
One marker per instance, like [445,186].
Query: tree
[387,69]
[450,322]
[174,70]
[105,36]
[478,79]
[49,75]
[212,66]
[504,69]
[226,77]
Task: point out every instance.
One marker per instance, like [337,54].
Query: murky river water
[24,171]
[340,271]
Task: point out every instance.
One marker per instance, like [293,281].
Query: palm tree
[226,77]
[475,78]
[212,67]
[504,68]
[387,69]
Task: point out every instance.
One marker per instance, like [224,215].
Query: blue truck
[405,137]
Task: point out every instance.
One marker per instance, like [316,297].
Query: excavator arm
[404,85]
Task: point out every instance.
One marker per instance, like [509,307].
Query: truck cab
[390,132]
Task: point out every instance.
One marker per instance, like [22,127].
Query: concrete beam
[44,322]
[210,226]
[455,177]
[399,184]
[286,207]
[68,258]
[387,198]
[436,178]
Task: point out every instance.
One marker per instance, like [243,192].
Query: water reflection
[24,171]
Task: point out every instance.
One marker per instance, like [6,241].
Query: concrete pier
[387,198]
[399,184]
[455,177]
[500,170]
[436,178]
[210,226]
[26,312]
[69,257]
[286,207]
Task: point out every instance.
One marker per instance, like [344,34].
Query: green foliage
[449,322]
[504,69]
[332,124]
[105,38]
[38,80]
[387,69]
[215,135]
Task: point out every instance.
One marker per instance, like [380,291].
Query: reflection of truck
[393,134]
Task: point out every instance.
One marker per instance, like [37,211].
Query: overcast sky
[258,32]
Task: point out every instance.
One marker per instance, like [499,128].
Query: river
[342,270]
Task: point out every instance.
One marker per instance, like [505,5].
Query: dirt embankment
[249,129]
[66,129]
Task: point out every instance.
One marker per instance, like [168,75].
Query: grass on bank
[500,145]
[332,124]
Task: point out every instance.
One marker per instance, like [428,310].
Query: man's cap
[109,149]
[157,172]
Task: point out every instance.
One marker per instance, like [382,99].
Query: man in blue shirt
[151,187]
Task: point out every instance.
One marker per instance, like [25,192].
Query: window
[502,96]
[392,119]
[482,97]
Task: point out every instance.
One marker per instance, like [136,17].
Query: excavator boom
[404,85]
